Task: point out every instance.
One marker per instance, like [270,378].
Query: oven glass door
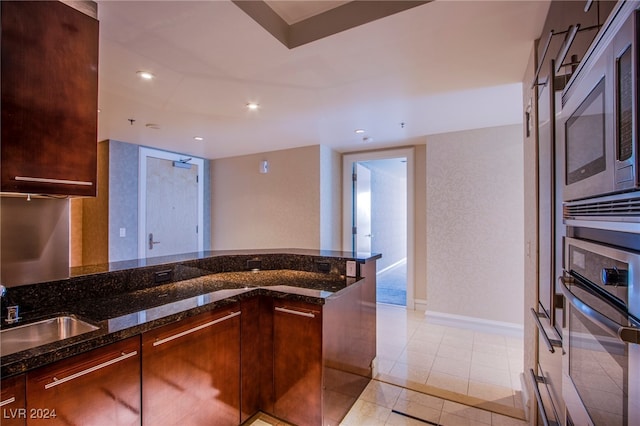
[598,363]
[585,137]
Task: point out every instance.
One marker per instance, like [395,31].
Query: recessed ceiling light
[198,138]
[252,106]
[152,126]
[145,75]
[359,131]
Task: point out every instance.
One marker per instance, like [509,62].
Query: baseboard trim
[420,305]
[477,324]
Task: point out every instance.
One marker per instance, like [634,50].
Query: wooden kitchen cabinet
[12,401]
[297,362]
[99,387]
[191,370]
[307,363]
[49,66]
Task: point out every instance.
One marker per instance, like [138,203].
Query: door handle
[151,242]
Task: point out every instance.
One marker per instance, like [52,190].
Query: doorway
[378,218]
[170,211]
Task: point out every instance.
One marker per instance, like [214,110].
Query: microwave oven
[599,116]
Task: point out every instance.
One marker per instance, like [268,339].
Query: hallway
[391,284]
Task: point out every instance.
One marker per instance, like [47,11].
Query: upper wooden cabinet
[49,62]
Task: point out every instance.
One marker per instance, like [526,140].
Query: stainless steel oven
[601,369]
[600,111]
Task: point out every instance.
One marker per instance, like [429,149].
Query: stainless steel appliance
[600,111]
[601,369]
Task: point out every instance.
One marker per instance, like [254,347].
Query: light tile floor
[482,365]
[383,404]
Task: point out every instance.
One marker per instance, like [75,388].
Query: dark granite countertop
[360,257]
[128,314]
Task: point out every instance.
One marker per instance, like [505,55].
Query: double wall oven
[600,281]
[601,284]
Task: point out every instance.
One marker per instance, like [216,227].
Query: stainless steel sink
[40,333]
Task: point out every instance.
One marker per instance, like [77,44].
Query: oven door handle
[625,333]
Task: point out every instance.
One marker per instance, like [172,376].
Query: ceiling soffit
[341,18]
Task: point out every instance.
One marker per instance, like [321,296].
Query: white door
[378,217]
[170,204]
[362,210]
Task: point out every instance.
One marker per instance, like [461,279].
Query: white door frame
[145,152]
[348,160]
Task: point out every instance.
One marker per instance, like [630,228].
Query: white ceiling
[439,67]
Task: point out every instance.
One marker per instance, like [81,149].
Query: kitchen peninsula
[216,337]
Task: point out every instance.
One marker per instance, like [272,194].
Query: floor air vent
[416,418]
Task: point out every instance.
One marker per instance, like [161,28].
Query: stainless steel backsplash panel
[34,240]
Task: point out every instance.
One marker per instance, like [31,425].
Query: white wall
[279,209]
[475,224]
[330,199]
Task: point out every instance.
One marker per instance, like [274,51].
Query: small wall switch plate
[123,232]
[351,268]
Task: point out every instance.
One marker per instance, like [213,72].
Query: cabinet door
[49,98]
[297,362]
[99,387]
[12,401]
[191,371]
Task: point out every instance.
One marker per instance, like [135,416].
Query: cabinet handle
[544,55]
[194,329]
[57,381]
[549,342]
[294,312]
[568,41]
[47,180]
[543,412]
[8,401]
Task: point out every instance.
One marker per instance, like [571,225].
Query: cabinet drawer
[12,401]
[101,386]
[191,370]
